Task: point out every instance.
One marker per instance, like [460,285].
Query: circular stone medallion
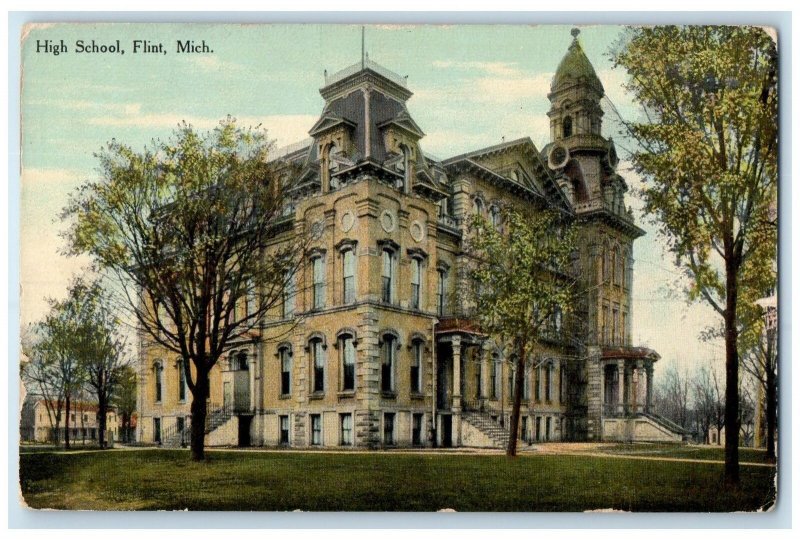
[347,222]
[387,221]
[417,232]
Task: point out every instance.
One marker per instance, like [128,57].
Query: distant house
[37,423]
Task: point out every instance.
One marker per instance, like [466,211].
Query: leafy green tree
[188,229]
[519,278]
[101,349]
[707,149]
[124,399]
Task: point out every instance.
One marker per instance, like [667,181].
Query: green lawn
[751,455]
[167,479]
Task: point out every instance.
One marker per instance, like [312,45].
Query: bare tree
[672,397]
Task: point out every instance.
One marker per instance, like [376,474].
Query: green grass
[711,453]
[167,479]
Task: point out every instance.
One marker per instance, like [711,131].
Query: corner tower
[618,376]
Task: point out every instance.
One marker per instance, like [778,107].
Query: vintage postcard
[278,267]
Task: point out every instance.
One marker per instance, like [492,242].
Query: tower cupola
[575,94]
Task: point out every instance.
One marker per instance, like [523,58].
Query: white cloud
[495,68]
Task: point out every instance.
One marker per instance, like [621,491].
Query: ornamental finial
[575,32]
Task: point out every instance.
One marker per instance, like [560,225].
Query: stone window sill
[316,395]
[347,394]
[285,396]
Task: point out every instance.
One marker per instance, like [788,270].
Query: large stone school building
[371,348]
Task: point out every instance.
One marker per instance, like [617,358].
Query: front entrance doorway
[244,430]
[447,431]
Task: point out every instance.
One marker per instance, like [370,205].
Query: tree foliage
[707,150]
[186,227]
[519,281]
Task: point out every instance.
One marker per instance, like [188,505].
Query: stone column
[649,388]
[621,384]
[456,405]
[594,393]
[485,366]
[635,371]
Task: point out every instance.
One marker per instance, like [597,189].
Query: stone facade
[371,348]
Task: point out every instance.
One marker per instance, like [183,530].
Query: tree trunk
[199,413]
[731,376]
[519,378]
[102,410]
[66,424]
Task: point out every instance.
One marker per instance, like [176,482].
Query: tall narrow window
[316,429]
[346,421]
[157,430]
[284,429]
[181,381]
[348,276]
[387,276]
[479,378]
[388,428]
[526,385]
[319,283]
[348,351]
[318,359]
[289,293]
[613,268]
[286,370]
[416,280]
[511,373]
[441,293]
[497,367]
[158,368]
[562,383]
[548,382]
[605,324]
[416,429]
[494,217]
[416,367]
[567,126]
[387,363]
[614,326]
[477,206]
[251,299]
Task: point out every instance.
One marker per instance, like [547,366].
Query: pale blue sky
[473,85]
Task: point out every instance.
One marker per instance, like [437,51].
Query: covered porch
[627,383]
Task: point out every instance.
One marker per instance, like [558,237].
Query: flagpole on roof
[362,48]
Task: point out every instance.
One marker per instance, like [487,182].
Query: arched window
[347,350]
[441,292]
[348,275]
[567,126]
[548,381]
[537,385]
[318,276]
[477,206]
[613,268]
[289,293]
[417,350]
[388,275]
[182,383]
[388,362]
[285,358]
[251,299]
[240,361]
[494,216]
[416,282]
[158,372]
[318,365]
